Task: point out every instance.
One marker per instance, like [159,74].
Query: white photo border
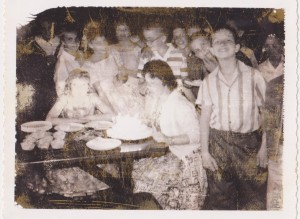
[14,13]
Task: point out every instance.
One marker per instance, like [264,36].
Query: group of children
[231,95]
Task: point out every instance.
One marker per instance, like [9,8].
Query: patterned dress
[177,180]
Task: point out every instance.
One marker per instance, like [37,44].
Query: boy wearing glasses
[232,147]
[155,38]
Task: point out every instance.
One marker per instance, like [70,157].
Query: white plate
[69,127]
[99,125]
[129,137]
[103,144]
[35,126]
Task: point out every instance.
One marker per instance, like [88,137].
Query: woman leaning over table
[177,180]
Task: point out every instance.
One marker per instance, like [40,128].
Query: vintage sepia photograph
[150,108]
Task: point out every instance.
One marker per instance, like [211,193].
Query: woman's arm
[103,98]
[178,140]
[107,112]
[174,140]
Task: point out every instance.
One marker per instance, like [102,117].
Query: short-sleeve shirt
[269,72]
[235,106]
[178,117]
[174,57]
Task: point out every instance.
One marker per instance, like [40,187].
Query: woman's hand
[159,137]
[187,83]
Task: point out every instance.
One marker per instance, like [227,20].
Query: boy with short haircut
[200,61]
[274,65]
[155,37]
[69,58]
[232,147]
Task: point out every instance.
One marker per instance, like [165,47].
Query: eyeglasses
[220,42]
[152,40]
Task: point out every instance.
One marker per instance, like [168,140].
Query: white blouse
[179,117]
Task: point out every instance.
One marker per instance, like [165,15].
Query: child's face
[180,38]
[99,44]
[122,32]
[200,46]
[154,38]
[70,41]
[223,44]
[79,86]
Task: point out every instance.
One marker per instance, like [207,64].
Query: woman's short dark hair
[161,70]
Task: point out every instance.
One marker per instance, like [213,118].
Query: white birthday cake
[129,128]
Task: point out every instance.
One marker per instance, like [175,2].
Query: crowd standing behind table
[115,85]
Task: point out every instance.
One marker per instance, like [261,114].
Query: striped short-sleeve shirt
[174,57]
[235,106]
